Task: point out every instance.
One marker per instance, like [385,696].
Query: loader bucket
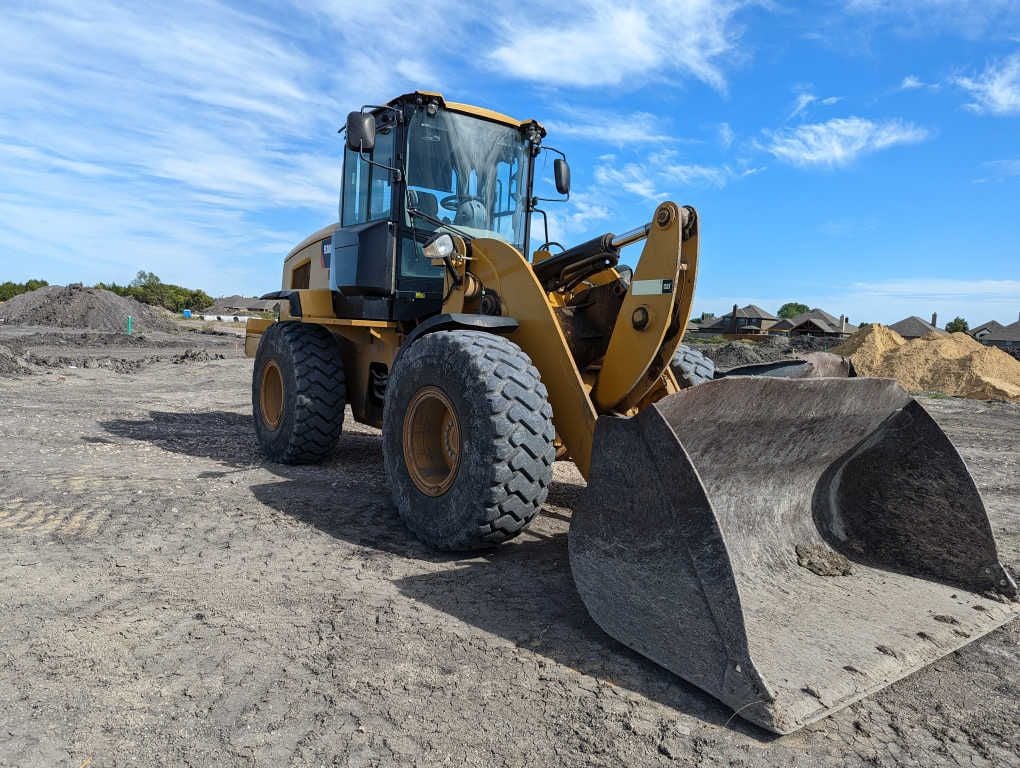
[789,546]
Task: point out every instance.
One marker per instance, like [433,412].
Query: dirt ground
[169,598]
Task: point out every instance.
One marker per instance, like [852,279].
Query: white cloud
[694,175]
[189,139]
[591,43]
[1006,167]
[632,177]
[726,135]
[840,141]
[976,300]
[611,128]
[663,175]
[995,91]
[802,102]
[579,216]
[924,289]
[806,98]
[967,18]
[999,170]
[914,83]
[194,136]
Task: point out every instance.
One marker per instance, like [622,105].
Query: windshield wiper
[438,222]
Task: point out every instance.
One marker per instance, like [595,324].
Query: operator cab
[415,167]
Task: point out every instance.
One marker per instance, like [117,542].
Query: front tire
[691,366]
[298,393]
[467,439]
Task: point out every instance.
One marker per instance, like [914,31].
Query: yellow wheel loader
[789,545]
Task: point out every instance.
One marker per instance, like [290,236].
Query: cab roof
[467,109]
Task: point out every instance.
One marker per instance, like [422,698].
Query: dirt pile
[955,364]
[735,353]
[11,364]
[77,307]
[869,347]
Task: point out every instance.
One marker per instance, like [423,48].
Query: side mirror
[561,171]
[360,132]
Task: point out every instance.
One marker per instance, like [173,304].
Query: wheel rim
[271,394]
[432,444]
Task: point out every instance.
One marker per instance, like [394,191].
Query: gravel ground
[169,598]
[34,349]
[769,349]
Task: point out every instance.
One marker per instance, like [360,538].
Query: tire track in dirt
[228,611]
[87,509]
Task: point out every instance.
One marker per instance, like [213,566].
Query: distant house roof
[750,312]
[914,327]
[824,321]
[231,304]
[1008,333]
[991,325]
[819,318]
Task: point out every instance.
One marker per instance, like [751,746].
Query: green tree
[145,280]
[957,325]
[792,309]
[9,290]
[149,289]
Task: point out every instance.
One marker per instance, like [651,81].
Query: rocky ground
[767,349]
[36,349]
[169,598]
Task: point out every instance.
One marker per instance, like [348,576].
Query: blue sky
[858,155]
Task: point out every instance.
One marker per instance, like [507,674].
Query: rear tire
[467,439]
[691,367]
[298,393]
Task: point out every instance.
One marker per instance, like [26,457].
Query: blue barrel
[187,314]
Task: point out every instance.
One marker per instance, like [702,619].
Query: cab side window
[367,191]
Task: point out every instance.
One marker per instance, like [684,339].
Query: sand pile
[869,347]
[955,364]
[77,307]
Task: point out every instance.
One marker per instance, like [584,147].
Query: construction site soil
[170,598]
[769,349]
[75,306]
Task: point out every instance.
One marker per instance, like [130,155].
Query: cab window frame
[369,183]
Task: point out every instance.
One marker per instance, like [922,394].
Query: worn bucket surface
[789,546]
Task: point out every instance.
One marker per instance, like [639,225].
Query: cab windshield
[470,173]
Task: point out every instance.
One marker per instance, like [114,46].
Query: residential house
[914,327]
[747,320]
[234,305]
[1007,339]
[981,331]
[815,322]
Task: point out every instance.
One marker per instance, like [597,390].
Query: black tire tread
[320,397]
[521,429]
[691,366]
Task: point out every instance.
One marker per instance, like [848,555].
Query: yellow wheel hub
[271,394]
[432,443]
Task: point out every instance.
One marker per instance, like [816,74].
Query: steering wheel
[453,202]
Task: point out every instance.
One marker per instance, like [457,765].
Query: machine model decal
[651,287]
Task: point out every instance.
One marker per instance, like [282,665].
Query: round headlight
[439,247]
